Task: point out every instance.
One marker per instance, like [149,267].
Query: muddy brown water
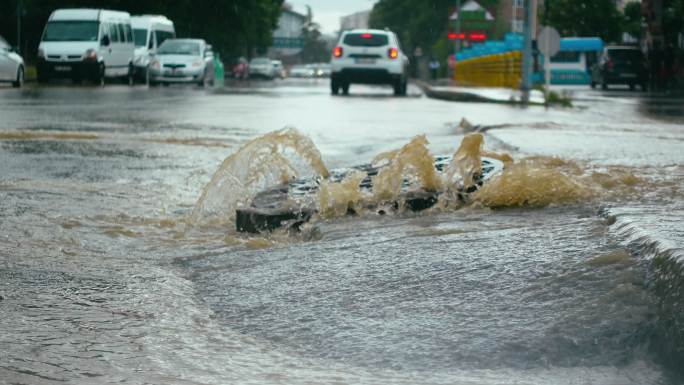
[566,269]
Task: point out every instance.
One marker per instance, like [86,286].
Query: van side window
[122,33]
[129,33]
[113,33]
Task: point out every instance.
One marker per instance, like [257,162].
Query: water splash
[269,160]
[336,199]
[279,157]
[467,161]
[412,163]
[535,182]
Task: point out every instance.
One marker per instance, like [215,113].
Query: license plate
[62,68]
[365,61]
[627,75]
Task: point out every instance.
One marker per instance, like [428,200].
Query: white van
[89,44]
[149,32]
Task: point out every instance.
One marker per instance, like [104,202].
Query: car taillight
[609,64]
[393,53]
[337,52]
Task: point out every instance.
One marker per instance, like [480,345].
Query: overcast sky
[327,13]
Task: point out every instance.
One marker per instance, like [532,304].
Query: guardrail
[497,70]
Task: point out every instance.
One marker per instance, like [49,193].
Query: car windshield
[176,47]
[366,40]
[261,62]
[140,36]
[625,54]
[72,30]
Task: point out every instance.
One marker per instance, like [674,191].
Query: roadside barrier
[498,70]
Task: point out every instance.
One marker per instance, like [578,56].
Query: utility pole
[458,25]
[527,59]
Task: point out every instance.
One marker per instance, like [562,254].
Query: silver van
[149,32]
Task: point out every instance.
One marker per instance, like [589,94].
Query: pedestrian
[434,68]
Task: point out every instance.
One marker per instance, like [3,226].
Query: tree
[633,19]
[315,50]
[417,22]
[585,18]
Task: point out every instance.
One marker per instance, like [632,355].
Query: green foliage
[633,19]
[586,18]
[315,50]
[234,27]
[419,23]
[673,14]
[554,98]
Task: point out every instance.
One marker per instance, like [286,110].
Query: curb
[461,95]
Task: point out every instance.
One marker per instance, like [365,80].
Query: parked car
[323,70]
[86,44]
[241,69]
[302,71]
[261,67]
[620,65]
[278,69]
[183,61]
[149,32]
[368,56]
[12,69]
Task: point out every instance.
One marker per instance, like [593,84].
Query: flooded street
[565,269]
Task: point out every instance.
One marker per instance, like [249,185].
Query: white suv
[368,56]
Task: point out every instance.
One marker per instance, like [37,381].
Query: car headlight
[90,54]
[154,64]
[197,63]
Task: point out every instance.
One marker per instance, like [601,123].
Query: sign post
[548,42]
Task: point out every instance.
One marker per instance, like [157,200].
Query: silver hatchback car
[12,68]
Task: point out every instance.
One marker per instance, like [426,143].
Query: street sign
[288,42]
[548,42]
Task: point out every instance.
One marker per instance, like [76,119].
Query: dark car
[620,65]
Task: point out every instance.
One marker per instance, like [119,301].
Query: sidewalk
[444,90]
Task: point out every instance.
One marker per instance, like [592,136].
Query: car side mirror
[105,41]
[14,49]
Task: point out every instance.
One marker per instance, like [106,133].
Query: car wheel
[335,86]
[593,85]
[604,85]
[632,86]
[20,78]
[43,76]
[100,75]
[146,77]
[397,87]
[130,76]
[345,88]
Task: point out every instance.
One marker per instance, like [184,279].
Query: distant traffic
[99,46]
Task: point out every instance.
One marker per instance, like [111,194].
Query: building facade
[358,20]
[288,38]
